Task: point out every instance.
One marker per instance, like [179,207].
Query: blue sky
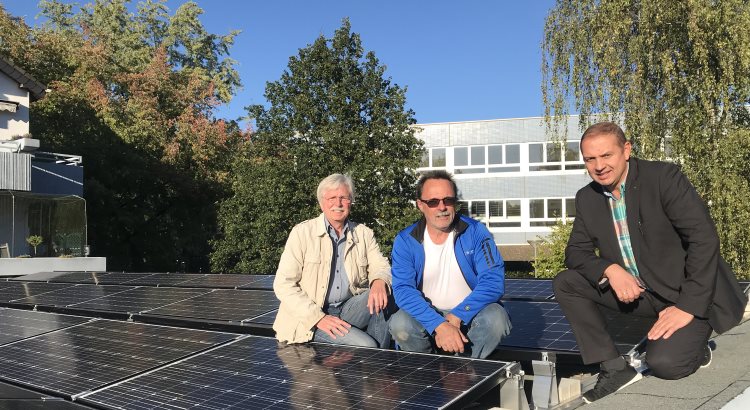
[468,60]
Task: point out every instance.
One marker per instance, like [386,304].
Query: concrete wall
[13,124]
[25,266]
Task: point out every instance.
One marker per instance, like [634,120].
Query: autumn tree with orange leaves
[135,93]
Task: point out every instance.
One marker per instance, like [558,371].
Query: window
[544,212]
[468,160]
[545,157]
[554,156]
[504,158]
[433,158]
[505,213]
[478,210]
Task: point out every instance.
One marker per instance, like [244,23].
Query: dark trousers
[673,358]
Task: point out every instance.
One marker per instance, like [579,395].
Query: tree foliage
[549,259]
[331,111]
[677,75]
[134,94]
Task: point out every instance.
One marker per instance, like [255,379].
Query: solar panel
[18,398]
[118,278]
[222,305]
[78,277]
[264,319]
[262,282]
[745,286]
[543,326]
[87,356]
[21,324]
[25,289]
[39,276]
[165,279]
[256,372]
[139,299]
[71,295]
[226,281]
[528,289]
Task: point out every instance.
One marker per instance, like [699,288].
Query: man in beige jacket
[332,280]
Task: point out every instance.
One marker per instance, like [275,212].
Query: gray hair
[334,181]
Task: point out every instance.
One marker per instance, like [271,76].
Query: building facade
[41,193]
[511,175]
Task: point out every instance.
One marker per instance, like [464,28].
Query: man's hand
[670,320]
[378,298]
[623,284]
[449,338]
[333,326]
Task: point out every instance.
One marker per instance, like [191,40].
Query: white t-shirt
[443,283]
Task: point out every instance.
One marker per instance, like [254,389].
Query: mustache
[338,208]
[444,213]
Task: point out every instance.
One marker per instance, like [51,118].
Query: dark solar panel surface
[22,290]
[222,305]
[40,404]
[165,279]
[39,276]
[528,289]
[139,299]
[72,295]
[117,278]
[21,324]
[220,281]
[78,277]
[84,357]
[263,282]
[256,373]
[543,326]
[539,326]
[265,319]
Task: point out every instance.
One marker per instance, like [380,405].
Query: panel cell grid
[71,295]
[222,305]
[139,299]
[262,282]
[528,289]
[84,357]
[21,324]
[220,281]
[165,279]
[258,373]
[118,278]
[22,290]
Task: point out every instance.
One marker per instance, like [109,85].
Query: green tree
[677,75]
[550,251]
[135,94]
[332,110]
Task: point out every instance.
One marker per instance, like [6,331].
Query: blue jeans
[355,312]
[485,331]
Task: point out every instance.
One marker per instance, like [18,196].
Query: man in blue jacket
[448,278]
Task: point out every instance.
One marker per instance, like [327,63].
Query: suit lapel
[632,203]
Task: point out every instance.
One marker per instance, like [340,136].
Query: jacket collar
[321,230]
[459,226]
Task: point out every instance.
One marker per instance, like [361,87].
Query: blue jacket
[477,256]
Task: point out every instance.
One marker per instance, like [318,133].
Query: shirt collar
[329,227]
[622,186]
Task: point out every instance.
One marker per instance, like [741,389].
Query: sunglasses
[434,202]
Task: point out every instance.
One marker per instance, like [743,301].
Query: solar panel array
[187,280]
[255,373]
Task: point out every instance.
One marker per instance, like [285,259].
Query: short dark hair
[437,174]
[605,128]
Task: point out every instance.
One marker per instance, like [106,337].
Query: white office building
[511,175]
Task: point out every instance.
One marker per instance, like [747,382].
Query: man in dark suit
[658,256]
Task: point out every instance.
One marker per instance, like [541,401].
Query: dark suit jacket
[674,241]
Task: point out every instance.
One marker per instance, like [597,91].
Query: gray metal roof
[25,80]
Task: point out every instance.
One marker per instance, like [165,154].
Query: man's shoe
[707,357]
[610,382]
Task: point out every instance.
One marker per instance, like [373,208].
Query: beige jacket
[304,271]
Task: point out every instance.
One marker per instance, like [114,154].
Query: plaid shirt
[619,216]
